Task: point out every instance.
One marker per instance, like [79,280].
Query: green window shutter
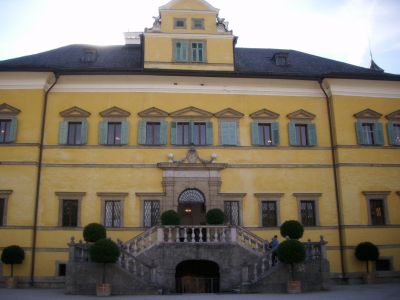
[391,136]
[163,132]
[124,132]
[360,133]
[275,133]
[292,134]
[312,134]
[12,136]
[209,133]
[103,128]
[63,133]
[142,132]
[173,133]
[191,133]
[84,132]
[255,139]
[228,133]
[378,134]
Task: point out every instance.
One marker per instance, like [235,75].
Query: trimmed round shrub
[94,232]
[170,217]
[293,229]
[12,255]
[366,251]
[104,251]
[291,252]
[215,217]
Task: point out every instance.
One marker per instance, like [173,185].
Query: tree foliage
[94,232]
[292,229]
[170,217]
[215,217]
[366,251]
[12,255]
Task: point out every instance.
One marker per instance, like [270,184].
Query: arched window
[191,196]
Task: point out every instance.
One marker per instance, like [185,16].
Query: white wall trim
[25,80]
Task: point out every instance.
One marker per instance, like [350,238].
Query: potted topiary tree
[215,216]
[292,229]
[292,252]
[12,255]
[170,218]
[94,232]
[104,251]
[367,252]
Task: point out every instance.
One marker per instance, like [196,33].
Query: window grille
[269,217]
[232,212]
[151,213]
[112,216]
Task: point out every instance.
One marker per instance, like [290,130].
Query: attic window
[179,23]
[281,59]
[89,55]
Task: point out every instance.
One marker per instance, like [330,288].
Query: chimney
[132,38]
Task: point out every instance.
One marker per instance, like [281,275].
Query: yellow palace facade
[95,134]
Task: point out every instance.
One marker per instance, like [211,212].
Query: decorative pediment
[9,110]
[264,114]
[368,114]
[115,112]
[395,116]
[191,112]
[301,114]
[153,112]
[189,5]
[229,113]
[75,112]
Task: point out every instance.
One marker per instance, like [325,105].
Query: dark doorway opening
[197,276]
[192,208]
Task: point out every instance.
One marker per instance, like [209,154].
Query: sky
[344,30]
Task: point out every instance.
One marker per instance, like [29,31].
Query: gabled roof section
[229,113]
[75,112]
[6,109]
[191,112]
[394,116]
[368,114]
[189,5]
[264,114]
[301,114]
[153,112]
[115,112]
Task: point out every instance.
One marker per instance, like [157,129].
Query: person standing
[274,247]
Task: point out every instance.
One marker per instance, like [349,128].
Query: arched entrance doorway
[197,276]
[192,207]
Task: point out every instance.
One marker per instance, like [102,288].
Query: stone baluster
[169,235]
[233,234]
[177,233]
[135,247]
[200,235]
[160,235]
[193,236]
[141,271]
[255,273]
[263,265]
[185,235]
[208,235]
[215,235]
[223,237]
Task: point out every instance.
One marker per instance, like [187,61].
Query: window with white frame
[190,51]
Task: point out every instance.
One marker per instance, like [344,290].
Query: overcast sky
[344,30]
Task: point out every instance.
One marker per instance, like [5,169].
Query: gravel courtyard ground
[390,291]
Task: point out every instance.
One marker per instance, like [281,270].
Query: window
[151,213]
[191,133]
[228,133]
[179,23]
[308,208]
[70,213]
[383,264]
[61,269]
[265,134]
[301,134]
[307,213]
[281,59]
[73,133]
[7,130]
[2,210]
[113,132]
[197,23]
[152,133]
[377,212]
[190,51]
[69,208]
[112,215]
[269,216]
[394,133]
[369,130]
[232,212]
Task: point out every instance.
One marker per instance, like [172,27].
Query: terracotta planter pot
[294,287]
[11,282]
[369,278]
[103,289]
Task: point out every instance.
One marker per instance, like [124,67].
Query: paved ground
[354,292]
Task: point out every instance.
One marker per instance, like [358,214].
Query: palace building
[179,118]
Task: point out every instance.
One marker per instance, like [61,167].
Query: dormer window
[89,55]
[190,51]
[179,23]
[197,23]
[281,59]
